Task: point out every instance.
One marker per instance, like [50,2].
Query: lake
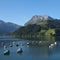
[33,51]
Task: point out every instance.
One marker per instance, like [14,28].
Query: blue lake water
[34,51]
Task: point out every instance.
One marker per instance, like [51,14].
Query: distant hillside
[7,27]
[39,26]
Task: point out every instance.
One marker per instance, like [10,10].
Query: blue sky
[20,11]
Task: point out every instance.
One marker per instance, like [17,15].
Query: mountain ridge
[47,27]
[7,27]
[38,18]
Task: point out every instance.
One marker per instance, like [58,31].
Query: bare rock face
[36,19]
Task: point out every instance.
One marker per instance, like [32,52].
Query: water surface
[33,51]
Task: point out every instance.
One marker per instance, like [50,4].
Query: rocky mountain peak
[38,18]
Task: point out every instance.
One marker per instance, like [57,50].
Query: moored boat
[28,43]
[19,50]
[6,52]
[11,45]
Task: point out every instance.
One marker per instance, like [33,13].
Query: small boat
[40,42]
[5,46]
[19,50]
[17,45]
[49,46]
[55,43]
[28,43]
[6,52]
[52,45]
[11,45]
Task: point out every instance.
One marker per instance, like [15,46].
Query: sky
[20,11]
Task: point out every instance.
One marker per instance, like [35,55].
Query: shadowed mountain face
[7,27]
[36,19]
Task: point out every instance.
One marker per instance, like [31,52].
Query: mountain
[7,27]
[36,19]
[39,26]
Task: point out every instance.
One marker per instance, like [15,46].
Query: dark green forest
[43,28]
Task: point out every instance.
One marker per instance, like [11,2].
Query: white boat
[6,52]
[11,45]
[5,46]
[52,45]
[19,50]
[55,43]
[40,42]
[28,43]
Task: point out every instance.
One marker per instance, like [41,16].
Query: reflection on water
[35,50]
